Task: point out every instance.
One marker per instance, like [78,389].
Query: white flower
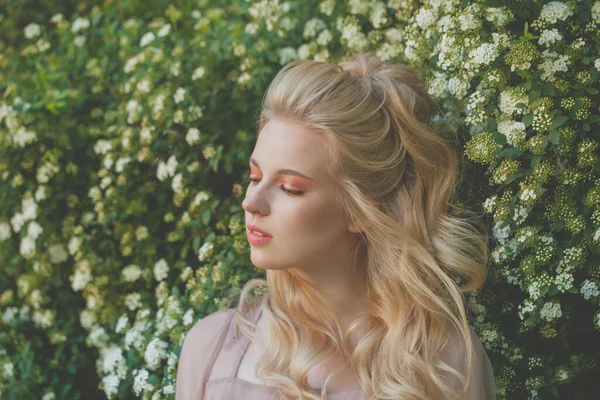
[199,198]
[176,183]
[82,276]
[198,73]
[5,231]
[56,18]
[169,389]
[192,136]
[7,370]
[143,85]
[513,130]
[74,245]
[188,317]
[147,38]
[17,221]
[589,289]
[79,24]
[23,137]
[101,147]
[79,40]
[549,37]
[94,193]
[27,246]
[29,208]
[111,385]
[468,21]
[133,109]
[287,54]
[304,52]
[140,381]
[534,290]
[484,54]
[32,30]
[555,11]
[121,323]
[526,307]
[108,161]
[9,314]
[509,98]
[145,135]
[424,18]
[86,319]
[42,45]
[34,230]
[40,193]
[133,301]
[155,353]
[161,270]
[205,251]
[134,339]
[49,395]
[131,273]
[43,318]
[596,12]
[121,162]
[166,169]
[551,311]
[179,95]
[164,31]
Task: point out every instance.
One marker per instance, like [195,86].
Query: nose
[255,202]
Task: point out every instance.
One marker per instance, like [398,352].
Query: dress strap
[244,342]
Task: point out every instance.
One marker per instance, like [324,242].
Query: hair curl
[397,178]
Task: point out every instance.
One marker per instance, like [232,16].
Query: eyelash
[292,192]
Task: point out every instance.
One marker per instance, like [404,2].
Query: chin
[264,262]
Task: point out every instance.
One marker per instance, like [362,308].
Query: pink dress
[212,352]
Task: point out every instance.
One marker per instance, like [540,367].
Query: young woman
[348,210]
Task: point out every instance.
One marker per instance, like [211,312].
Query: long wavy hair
[397,178]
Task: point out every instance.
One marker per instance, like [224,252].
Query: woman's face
[308,227]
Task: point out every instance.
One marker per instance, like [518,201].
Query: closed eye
[292,192]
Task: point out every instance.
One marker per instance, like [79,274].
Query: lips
[255,228]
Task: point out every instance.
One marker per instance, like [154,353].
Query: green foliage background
[125,129]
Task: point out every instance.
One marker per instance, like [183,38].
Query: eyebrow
[284,171]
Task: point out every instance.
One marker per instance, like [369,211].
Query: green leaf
[527,120]
[573,290]
[558,121]
[591,90]
[554,136]
[206,216]
[184,251]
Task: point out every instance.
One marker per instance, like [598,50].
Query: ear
[352,227]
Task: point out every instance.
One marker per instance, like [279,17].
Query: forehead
[283,144]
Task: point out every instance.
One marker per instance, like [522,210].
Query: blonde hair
[396,178]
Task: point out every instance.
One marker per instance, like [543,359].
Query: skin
[310,231]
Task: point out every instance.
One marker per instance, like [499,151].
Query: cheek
[317,219]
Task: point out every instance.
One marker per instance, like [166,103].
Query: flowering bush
[124,137]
